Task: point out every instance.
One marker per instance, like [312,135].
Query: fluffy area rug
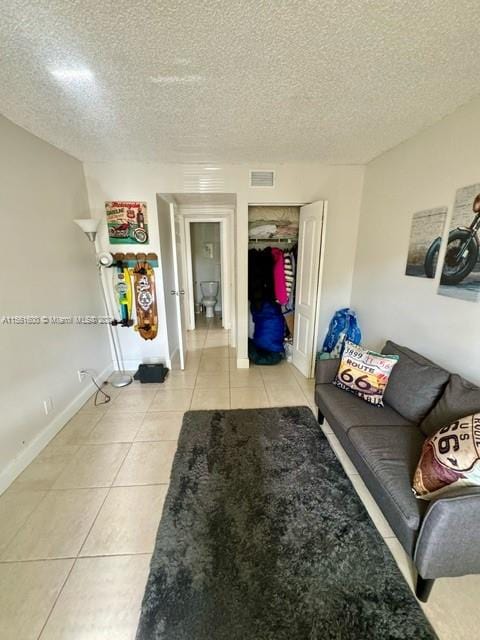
[264,538]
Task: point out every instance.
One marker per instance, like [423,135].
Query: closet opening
[284,275]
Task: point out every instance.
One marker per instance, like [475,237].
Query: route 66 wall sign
[127,222]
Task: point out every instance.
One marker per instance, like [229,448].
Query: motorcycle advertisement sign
[427,228]
[127,222]
[461,266]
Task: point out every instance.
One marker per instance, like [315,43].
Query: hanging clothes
[260,277]
[288,308]
[289,273]
[271,291]
[279,282]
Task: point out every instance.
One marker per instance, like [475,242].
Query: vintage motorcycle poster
[127,222]
[461,266]
[427,228]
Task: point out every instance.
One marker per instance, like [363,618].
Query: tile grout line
[46,491]
[17,531]
[105,499]
[75,558]
[60,591]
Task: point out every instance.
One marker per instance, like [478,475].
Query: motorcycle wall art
[427,226]
[461,265]
[127,222]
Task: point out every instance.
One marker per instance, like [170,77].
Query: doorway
[208,273]
[179,213]
[206,262]
[209,260]
[286,247]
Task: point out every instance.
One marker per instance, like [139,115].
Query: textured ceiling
[335,81]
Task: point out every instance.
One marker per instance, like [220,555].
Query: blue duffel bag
[269,327]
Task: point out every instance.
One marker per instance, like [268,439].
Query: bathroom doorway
[189,209]
[206,256]
[209,268]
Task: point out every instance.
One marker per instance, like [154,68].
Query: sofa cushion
[390,456]
[460,398]
[344,410]
[415,383]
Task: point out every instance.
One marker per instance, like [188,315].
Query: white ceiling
[335,81]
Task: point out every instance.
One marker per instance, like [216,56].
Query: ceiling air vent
[262,178]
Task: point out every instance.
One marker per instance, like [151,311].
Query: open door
[171,283]
[307,287]
[178,290]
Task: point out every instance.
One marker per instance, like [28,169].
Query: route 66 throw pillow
[450,459]
[364,373]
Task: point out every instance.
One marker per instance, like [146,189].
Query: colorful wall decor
[461,266]
[127,222]
[426,232]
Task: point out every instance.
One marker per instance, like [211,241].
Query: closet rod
[270,240]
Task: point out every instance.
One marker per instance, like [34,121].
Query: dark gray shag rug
[264,538]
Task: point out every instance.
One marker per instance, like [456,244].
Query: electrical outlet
[48,405]
[82,374]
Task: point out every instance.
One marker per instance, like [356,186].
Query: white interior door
[178,290]
[307,289]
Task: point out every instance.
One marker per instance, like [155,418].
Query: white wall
[48,269]
[421,173]
[206,269]
[299,183]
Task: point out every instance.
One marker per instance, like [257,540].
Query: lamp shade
[88,225]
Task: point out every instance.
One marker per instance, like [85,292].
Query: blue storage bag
[269,327]
[344,325]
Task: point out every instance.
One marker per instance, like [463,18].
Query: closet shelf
[270,240]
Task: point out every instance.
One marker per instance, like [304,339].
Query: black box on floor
[151,373]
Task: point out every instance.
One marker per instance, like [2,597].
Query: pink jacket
[279,283]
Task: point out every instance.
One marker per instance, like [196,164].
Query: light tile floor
[77,528]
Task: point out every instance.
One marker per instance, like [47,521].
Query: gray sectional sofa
[442,536]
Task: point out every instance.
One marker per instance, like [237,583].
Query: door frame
[319,289]
[179,356]
[224,217]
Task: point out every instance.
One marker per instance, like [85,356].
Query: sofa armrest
[448,542]
[325,370]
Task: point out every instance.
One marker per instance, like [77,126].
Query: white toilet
[209,297]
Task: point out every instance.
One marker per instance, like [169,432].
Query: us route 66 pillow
[450,459]
[364,373]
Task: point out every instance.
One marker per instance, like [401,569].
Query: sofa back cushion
[459,399]
[415,383]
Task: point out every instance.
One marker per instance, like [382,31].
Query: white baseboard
[175,359]
[243,363]
[131,365]
[18,464]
